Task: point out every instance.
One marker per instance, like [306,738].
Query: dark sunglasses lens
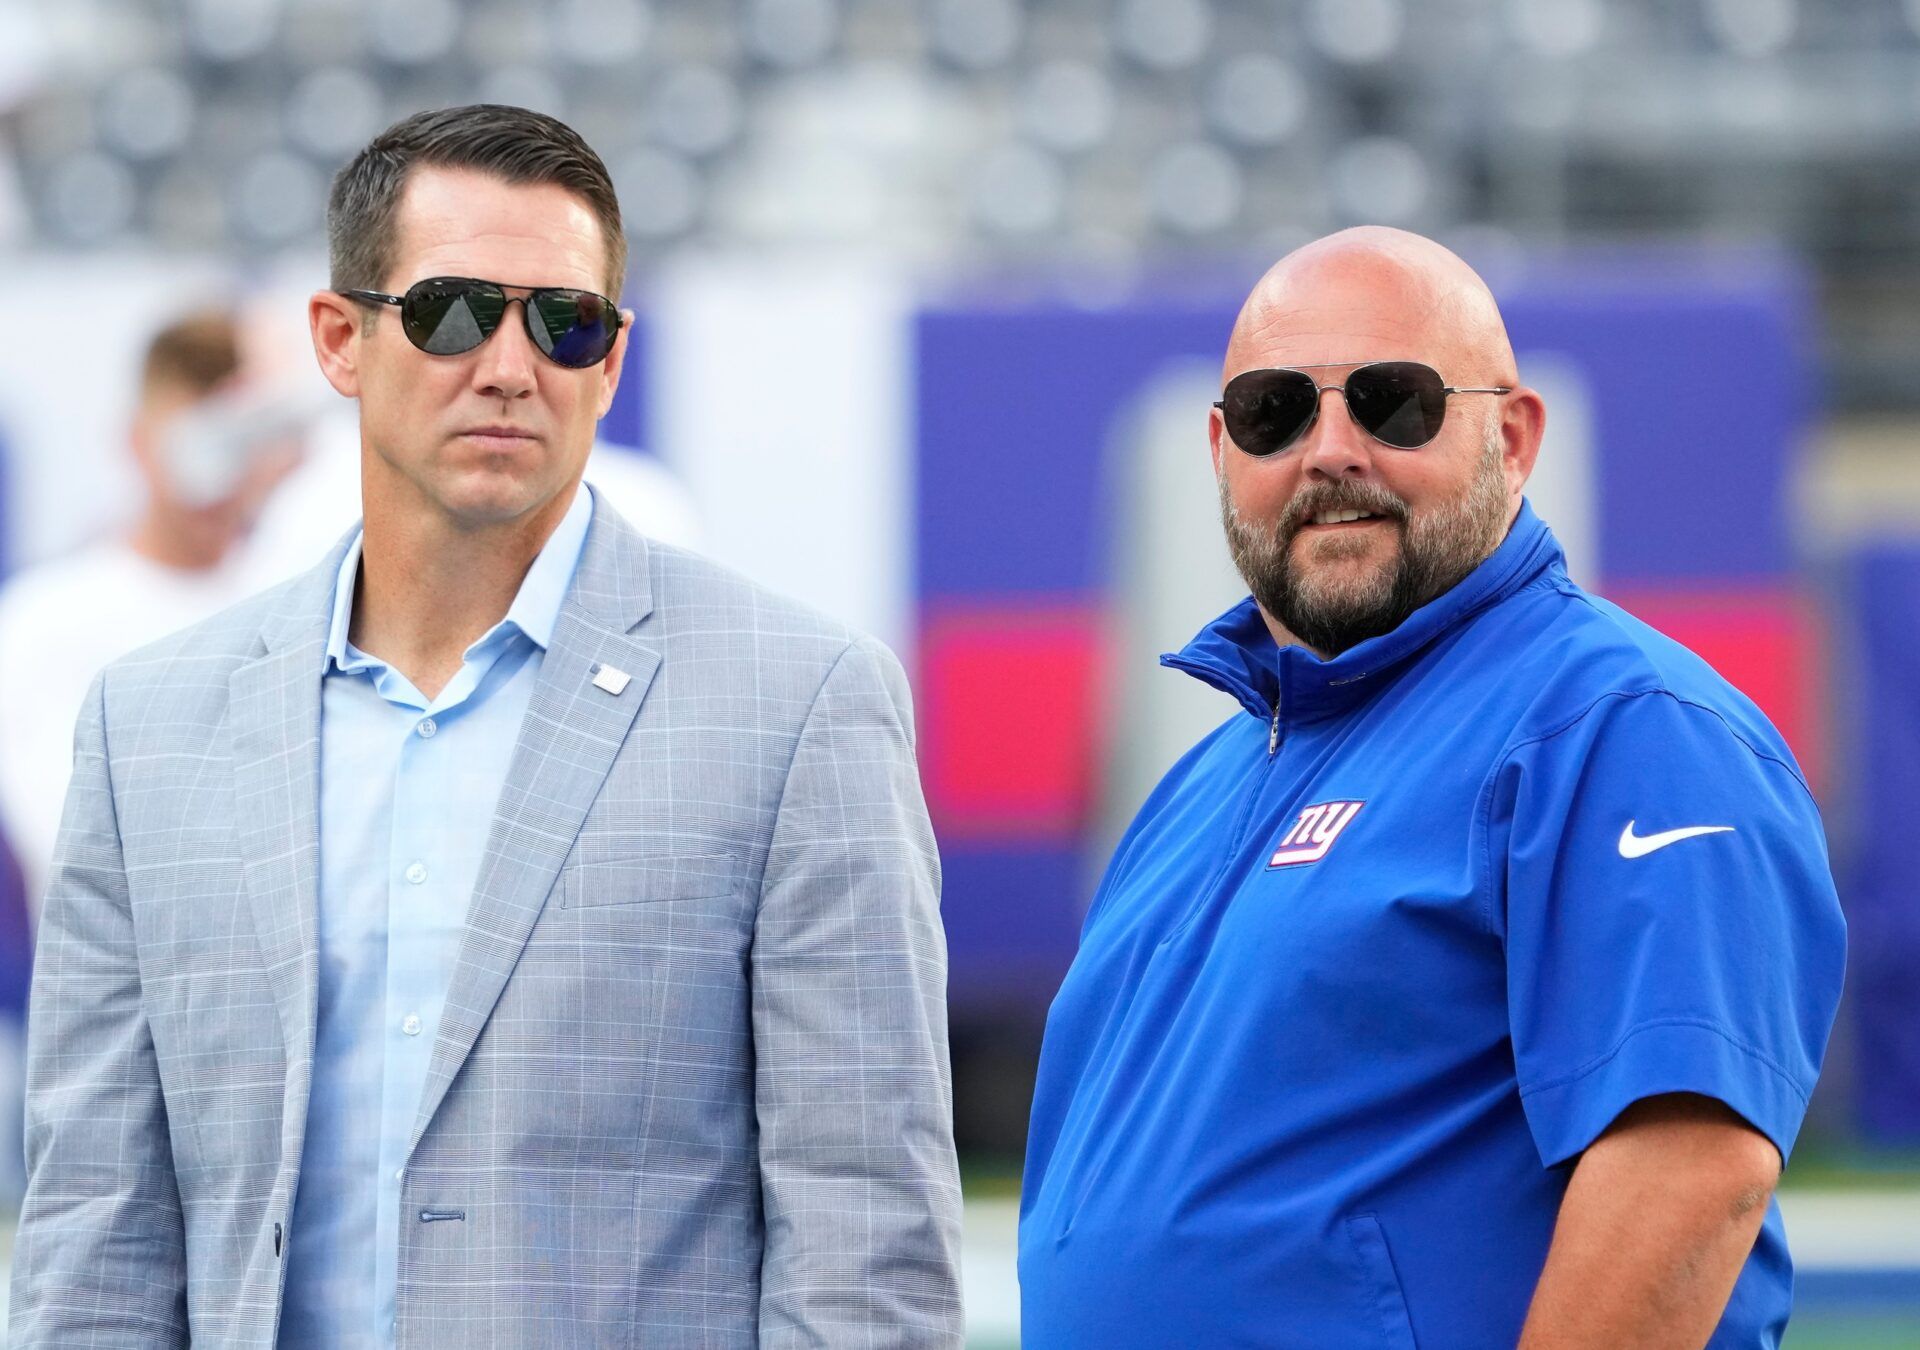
[447,317]
[1401,403]
[1266,410]
[575,328]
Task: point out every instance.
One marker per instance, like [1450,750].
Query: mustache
[1342,495]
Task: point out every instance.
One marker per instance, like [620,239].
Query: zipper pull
[1273,735]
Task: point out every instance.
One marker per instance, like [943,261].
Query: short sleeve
[1669,919]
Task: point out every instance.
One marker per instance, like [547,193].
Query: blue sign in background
[1879,865]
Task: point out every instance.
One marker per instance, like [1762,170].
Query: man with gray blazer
[511,933]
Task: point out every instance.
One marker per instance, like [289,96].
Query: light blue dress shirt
[408,788]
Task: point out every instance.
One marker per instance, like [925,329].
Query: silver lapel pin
[610,678]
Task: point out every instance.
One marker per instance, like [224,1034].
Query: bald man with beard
[1466,989]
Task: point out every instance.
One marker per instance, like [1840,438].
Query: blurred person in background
[1468,988]
[207,464]
[513,931]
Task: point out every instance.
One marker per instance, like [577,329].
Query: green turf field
[1853,1332]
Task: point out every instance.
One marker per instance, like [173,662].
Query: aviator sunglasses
[445,316]
[1398,403]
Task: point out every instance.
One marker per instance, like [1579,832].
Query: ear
[144,435]
[335,323]
[616,359]
[1522,424]
[140,437]
[1216,438]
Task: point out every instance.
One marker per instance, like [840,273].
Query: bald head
[1373,294]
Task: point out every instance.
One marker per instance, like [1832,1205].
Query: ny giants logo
[1313,834]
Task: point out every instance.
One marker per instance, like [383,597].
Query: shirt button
[400,1175]
[416,872]
[411,1024]
[427,727]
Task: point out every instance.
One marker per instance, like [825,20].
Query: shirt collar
[536,606]
[1237,654]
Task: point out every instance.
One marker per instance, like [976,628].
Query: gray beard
[1438,548]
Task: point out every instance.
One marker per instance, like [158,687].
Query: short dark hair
[195,352]
[514,144]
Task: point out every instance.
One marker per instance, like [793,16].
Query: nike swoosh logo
[1640,845]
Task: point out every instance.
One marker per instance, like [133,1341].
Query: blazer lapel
[573,729]
[273,717]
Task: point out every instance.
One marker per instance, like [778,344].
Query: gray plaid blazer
[691,1085]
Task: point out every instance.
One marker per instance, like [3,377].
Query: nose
[505,367]
[1335,446]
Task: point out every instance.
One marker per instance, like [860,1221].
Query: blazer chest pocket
[651,878]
